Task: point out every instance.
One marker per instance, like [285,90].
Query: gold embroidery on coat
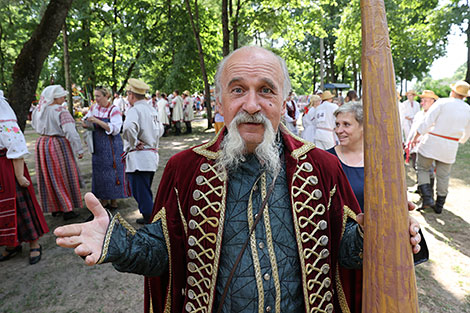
[185,225]
[301,187]
[254,249]
[204,276]
[202,149]
[302,150]
[162,215]
[272,255]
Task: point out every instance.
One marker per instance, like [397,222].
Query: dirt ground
[62,283]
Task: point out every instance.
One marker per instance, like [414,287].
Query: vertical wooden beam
[389,279]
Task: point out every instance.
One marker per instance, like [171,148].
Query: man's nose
[252,103]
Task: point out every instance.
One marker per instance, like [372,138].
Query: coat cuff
[118,230]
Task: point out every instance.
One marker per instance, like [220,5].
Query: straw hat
[326,95]
[461,87]
[186,92]
[429,94]
[137,86]
[411,92]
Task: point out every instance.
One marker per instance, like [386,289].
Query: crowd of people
[217,198]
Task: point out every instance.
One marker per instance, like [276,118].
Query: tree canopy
[112,40]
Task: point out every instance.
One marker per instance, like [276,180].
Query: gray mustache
[244,117]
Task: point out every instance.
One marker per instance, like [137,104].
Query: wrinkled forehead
[254,63]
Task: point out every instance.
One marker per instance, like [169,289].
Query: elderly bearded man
[209,198]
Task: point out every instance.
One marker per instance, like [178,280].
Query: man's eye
[237,90]
[266,90]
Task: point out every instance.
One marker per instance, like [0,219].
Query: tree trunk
[322,64]
[356,85]
[3,83]
[31,59]
[225,31]
[467,77]
[88,67]
[235,26]
[68,83]
[207,93]
[129,72]
[389,278]
[113,61]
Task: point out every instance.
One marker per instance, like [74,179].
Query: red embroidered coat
[191,205]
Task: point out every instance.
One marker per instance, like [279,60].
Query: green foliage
[112,40]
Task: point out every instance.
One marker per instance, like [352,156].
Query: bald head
[252,53]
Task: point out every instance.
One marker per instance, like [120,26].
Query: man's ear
[220,108]
[283,107]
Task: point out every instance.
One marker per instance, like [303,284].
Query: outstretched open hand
[86,238]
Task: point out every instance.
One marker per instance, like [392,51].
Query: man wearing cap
[408,110]
[292,113]
[428,97]
[325,122]
[141,132]
[446,124]
[188,111]
[177,114]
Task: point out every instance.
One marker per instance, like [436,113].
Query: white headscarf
[47,97]
[6,112]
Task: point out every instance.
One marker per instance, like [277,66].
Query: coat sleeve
[140,252]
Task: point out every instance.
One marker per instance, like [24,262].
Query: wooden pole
[389,279]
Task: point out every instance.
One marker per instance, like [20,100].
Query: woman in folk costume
[105,120]
[56,167]
[21,218]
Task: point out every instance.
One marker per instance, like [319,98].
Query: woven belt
[445,137]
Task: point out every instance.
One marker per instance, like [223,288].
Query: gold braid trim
[347,212]
[166,234]
[299,241]
[202,150]
[306,147]
[185,225]
[272,255]
[117,218]
[332,193]
[219,239]
[254,249]
[343,303]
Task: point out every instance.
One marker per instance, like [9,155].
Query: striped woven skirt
[57,175]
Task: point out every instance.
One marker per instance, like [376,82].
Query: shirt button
[266,276]
[268,308]
[261,245]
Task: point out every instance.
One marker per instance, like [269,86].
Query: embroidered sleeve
[140,252]
[12,138]
[66,117]
[350,251]
[115,123]
[71,132]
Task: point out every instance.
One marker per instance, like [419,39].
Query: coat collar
[294,145]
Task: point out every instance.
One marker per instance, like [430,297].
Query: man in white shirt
[445,125]
[141,132]
[408,110]
[325,122]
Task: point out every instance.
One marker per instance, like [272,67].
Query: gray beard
[233,147]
